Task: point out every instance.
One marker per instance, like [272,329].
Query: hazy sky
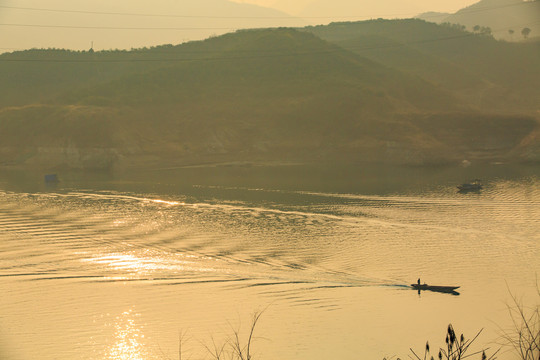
[125,24]
[369,6]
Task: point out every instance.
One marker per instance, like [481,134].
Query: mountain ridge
[254,96]
[125,24]
[505,19]
[499,75]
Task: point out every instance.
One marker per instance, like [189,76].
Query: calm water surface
[115,267]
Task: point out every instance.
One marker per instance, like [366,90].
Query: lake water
[116,266]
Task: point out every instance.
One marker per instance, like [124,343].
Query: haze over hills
[485,73]
[505,18]
[125,24]
[359,9]
[343,10]
[264,95]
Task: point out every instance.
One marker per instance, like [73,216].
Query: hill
[251,96]
[505,18]
[488,74]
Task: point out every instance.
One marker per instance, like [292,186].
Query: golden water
[112,270]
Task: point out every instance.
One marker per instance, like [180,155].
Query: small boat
[51,179]
[444,289]
[476,185]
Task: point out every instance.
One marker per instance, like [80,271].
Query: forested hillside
[504,19]
[486,73]
[384,91]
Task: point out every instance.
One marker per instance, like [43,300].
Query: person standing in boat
[418,281]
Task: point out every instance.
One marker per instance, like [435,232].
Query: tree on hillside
[525,32]
[482,30]
[454,26]
[486,30]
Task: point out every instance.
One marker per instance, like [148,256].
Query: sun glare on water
[128,338]
[134,264]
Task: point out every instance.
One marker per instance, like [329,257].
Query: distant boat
[476,185]
[51,179]
[443,289]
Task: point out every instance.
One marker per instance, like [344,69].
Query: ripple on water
[101,251]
